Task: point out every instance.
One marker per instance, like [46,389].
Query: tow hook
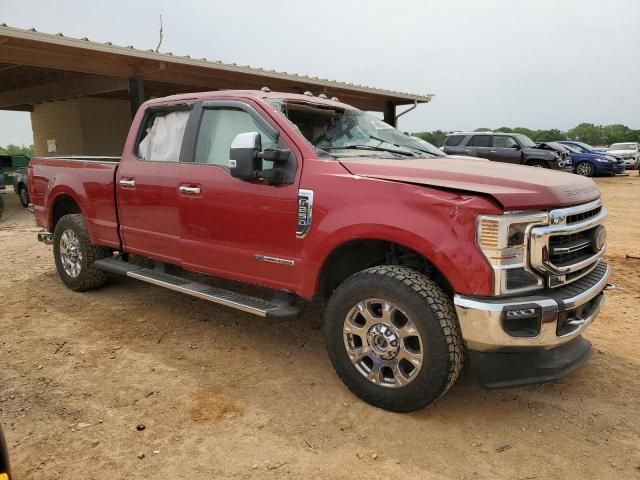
[45,237]
[610,286]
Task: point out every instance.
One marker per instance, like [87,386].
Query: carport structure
[92,89]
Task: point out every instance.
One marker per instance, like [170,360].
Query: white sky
[490,63]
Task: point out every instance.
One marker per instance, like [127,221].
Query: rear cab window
[160,137]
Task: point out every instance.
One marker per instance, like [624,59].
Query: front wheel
[585,169]
[393,338]
[75,255]
[538,164]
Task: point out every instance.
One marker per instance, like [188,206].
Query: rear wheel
[23,193]
[393,339]
[585,169]
[75,255]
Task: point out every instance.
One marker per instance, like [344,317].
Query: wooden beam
[69,88]
[390,114]
[59,59]
[136,94]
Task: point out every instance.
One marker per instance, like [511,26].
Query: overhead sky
[490,63]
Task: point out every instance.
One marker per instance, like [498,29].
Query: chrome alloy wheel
[70,253]
[383,343]
[585,169]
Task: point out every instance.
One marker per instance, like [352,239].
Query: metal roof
[396,97]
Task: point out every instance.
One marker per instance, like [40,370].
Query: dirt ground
[222,394]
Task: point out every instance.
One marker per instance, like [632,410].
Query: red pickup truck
[422,260]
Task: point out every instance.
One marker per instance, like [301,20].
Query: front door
[147,183]
[505,149]
[233,228]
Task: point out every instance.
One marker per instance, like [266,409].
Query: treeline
[585,132]
[17,150]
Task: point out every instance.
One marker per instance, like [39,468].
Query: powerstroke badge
[305,210]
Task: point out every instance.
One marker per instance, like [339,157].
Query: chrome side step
[275,309]
[45,237]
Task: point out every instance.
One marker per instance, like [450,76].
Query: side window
[504,142]
[454,140]
[480,141]
[218,128]
[161,137]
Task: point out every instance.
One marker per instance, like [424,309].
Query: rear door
[147,185]
[244,230]
[505,149]
[478,146]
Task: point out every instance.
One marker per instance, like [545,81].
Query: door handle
[493,151]
[189,190]
[128,182]
[467,151]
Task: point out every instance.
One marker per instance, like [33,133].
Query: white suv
[629,152]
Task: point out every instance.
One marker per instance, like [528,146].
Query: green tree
[587,133]
[17,150]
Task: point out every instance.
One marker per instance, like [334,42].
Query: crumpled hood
[515,187]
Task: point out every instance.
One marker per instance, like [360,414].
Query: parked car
[509,148]
[594,162]
[5,469]
[9,164]
[422,261]
[21,185]
[590,164]
[438,152]
[629,151]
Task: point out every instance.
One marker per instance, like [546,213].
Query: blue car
[589,162]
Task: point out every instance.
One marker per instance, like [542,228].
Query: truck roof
[254,94]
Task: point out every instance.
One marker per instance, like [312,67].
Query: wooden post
[136,94]
[390,114]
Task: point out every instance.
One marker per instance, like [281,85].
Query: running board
[274,309]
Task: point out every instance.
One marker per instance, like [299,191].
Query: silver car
[629,151]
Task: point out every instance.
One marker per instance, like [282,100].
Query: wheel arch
[354,255]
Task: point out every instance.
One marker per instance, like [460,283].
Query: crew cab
[422,261]
[509,148]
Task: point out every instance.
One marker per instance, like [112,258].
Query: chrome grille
[567,249]
[578,217]
[563,251]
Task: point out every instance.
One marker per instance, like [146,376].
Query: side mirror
[246,156]
[516,146]
[243,155]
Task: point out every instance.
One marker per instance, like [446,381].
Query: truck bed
[88,181]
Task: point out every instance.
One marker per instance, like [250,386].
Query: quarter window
[453,140]
[480,141]
[218,128]
[161,136]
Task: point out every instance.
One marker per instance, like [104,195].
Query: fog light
[522,322]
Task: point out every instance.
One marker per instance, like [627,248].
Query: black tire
[585,169]
[538,163]
[89,276]
[433,315]
[23,193]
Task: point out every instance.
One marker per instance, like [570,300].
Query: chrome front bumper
[482,320]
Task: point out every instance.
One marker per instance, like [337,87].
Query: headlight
[503,239]
[603,160]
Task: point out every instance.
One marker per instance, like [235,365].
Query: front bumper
[503,355]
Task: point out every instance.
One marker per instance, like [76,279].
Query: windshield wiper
[372,147]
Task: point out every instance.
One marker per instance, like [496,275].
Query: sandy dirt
[222,394]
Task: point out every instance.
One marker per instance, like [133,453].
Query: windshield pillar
[390,114]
